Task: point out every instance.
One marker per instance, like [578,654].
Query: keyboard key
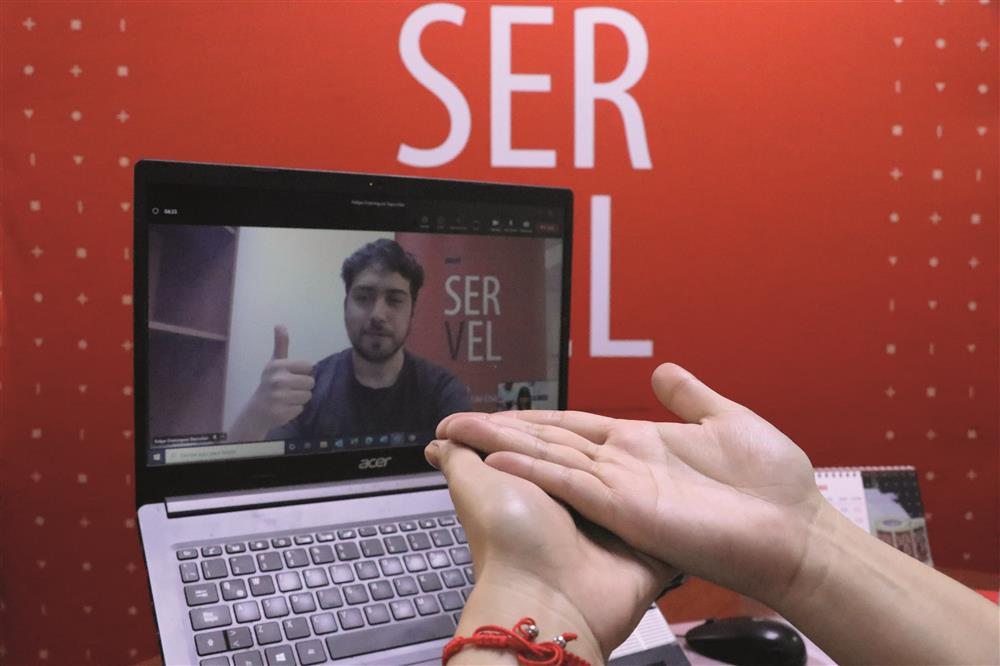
[233,548]
[303,540]
[389,636]
[402,609]
[460,555]
[248,659]
[366,531]
[282,655]
[405,585]
[211,551]
[415,563]
[372,548]
[355,594]
[323,623]
[323,537]
[347,551]
[259,544]
[346,534]
[239,638]
[418,541]
[199,595]
[269,632]
[341,573]
[189,572]
[395,544]
[377,614]
[212,642]
[269,561]
[407,526]
[452,578]
[366,570]
[350,618]
[209,618]
[310,652]
[214,661]
[289,581]
[275,607]
[302,602]
[442,538]
[296,558]
[215,568]
[187,554]
[242,565]
[322,554]
[438,559]
[387,529]
[427,524]
[315,577]
[429,582]
[247,611]
[390,566]
[446,521]
[459,533]
[281,542]
[470,575]
[427,605]
[233,589]
[261,586]
[451,600]
[380,589]
[295,627]
[330,598]
[466,591]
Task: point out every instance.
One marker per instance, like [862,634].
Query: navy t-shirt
[423,394]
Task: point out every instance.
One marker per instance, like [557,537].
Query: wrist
[824,542]
[503,595]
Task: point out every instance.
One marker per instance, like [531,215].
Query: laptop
[298,336]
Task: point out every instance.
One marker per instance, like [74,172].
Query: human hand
[725,496]
[285,387]
[531,558]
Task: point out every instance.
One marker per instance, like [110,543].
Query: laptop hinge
[187,505]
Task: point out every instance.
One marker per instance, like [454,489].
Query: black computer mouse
[748,641]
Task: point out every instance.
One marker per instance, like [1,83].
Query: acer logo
[374,463]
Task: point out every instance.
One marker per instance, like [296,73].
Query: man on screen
[375,386]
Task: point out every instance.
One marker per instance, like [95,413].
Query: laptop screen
[290,323]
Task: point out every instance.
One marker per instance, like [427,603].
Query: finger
[489,436]
[443,425]
[584,492]
[297,398]
[301,368]
[591,426]
[280,342]
[548,433]
[686,396]
[296,381]
[460,465]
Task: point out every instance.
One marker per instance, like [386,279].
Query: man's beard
[383,353]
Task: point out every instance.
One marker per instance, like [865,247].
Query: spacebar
[390,636]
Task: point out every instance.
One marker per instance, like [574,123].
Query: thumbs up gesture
[285,387]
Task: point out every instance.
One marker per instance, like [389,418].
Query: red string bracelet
[522,641]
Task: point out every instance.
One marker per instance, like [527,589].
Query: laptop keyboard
[311,596]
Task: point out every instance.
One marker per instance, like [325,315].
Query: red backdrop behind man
[796,201]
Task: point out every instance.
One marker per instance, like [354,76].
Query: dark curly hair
[388,255]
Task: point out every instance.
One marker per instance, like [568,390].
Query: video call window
[272,341]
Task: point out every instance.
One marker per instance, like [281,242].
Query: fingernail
[431,454]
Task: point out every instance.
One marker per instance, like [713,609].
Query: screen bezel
[156,483]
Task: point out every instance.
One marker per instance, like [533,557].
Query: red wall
[767,248]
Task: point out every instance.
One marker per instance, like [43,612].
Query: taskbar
[218,452]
